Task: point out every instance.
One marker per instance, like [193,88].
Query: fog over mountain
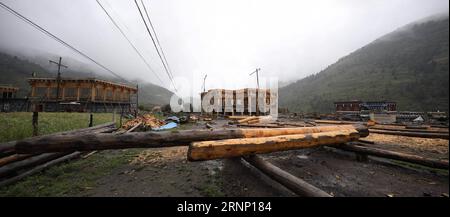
[225,39]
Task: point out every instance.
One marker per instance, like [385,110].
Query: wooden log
[238,117]
[29,162]
[134,127]
[89,154]
[248,119]
[410,130]
[39,168]
[8,148]
[13,158]
[439,126]
[254,121]
[293,124]
[412,134]
[159,139]
[435,163]
[295,184]
[335,122]
[310,123]
[366,141]
[260,125]
[208,150]
[417,127]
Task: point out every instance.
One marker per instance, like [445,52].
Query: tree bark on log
[412,134]
[39,168]
[7,148]
[435,163]
[295,184]
[159,139]
[335,122]
[410,130]
[248,119]
[208,150]
[260,125]
[13,158]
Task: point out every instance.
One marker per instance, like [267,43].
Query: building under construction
[81,95]
[239,102]
[9,101]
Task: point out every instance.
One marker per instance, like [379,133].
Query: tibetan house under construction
[239,102]
[81,95]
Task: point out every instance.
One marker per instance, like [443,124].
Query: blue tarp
[168,126]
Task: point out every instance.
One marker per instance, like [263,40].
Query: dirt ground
[433,148]
[166,172]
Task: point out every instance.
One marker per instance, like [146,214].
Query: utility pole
[137,101]
[204,81]
[257,90]
[201,94]
[257,76]
[58,78]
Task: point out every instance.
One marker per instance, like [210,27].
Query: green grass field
[17,125]
[69,178]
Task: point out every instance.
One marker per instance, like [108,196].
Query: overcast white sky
[226,39]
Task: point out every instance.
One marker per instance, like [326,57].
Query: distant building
[358,106]
[348,106]
[379,111]
[8,92]
[9,101]
[238,102]
[81,95]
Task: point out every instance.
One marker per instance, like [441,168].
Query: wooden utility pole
[204,83]
[257,76]
[137,101]
[201,94]
[58,77]
[257,90]
[35,123]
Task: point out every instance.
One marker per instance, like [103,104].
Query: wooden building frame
[90,94]
[90,89]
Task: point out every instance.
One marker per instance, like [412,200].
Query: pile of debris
[147,121]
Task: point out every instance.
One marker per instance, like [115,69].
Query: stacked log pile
[213,144]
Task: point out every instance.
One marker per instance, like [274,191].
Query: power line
[131,44]
[17,14]
[156,37]
[154,43]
